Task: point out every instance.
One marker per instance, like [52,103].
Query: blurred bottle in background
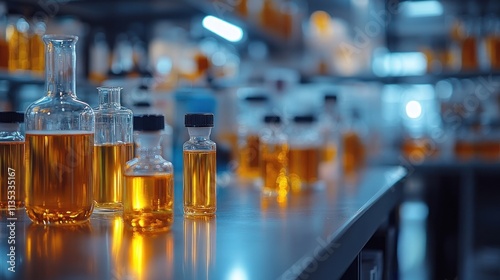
[37,48]
[329,126]
[4,47]
[18,40]
[99,60]
[354,150]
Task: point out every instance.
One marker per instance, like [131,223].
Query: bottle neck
[148,144]
[109,97]
[60,65]
[199,133]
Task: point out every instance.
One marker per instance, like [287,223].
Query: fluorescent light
[413,109]
[223,28]
[421,8]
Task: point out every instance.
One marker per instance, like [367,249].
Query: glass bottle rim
[59,38]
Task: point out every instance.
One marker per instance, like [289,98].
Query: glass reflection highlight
[199,247]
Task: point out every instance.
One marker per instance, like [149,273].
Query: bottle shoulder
[49,105]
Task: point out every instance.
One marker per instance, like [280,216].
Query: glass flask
[148,189]
[199,166]
[274,156]
[113,147]
[11,161]
[59,142]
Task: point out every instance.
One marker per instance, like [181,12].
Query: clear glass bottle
[113,147]
[249,125]
[274,156]
[304,159]
[329,127]
[11,161]
[59,143]
[37,48]
[148,189]
[354,151]
[199,166]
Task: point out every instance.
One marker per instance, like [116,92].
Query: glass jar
[11,161]
[148,190]
[59,143]
[113,148]
[199,154]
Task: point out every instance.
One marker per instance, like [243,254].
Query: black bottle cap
[256,98]
[199,120]
[272,119]
[304,119]
[331,97]
[11,117]
[149,122]
[142,104]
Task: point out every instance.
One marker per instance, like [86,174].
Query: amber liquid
[108,178]
[37,53]
[4,54]
[304,167]
[249,158]
[11,175]
[329,152]
[199,183]
[469,54]
[274,168]
[418,149]
[354,152]
[18,50]
[464,149]
[148,202]
[59,176]
[493,48]
[488,150]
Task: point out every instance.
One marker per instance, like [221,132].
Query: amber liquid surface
[59,176]
[249,158]
[108,177]
[199,183]
[354,152]
[11,175]
[148,202]
[275,168]
[304,167]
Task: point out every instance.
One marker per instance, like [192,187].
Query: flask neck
[148,144]
[60,65]
[109,97]
[199,133]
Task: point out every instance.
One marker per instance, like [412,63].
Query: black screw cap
[11,117]
[149,122]
[199,120]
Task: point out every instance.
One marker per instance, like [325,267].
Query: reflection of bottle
[148,190]
[304,153]
[199,248]
[199,166]
[274,157]
[113,148]
[59,143]
[11,161]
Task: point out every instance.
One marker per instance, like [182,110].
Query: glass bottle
[274,156]
[329,127]
[18,40]
[11,161]
[199,166]
[37,51]
[113,147]
[354,150]
[249,126]
[148,189]
[4,47]
[59,142]
[304,158]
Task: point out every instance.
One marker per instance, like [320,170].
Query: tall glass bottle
[59,143]
[199,166]
[148,189]
[274,157]
[113,148]
[11,161]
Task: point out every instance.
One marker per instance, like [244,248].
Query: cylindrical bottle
[18,40]
[11,161]
[354,150]
[113,148]
[59,143]
[274,157]
[304,158]
[148,189]
[37,50]
[199,166]
[329,127]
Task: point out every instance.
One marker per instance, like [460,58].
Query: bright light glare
[237,274]
[421,8]
[413,109]
[222,28]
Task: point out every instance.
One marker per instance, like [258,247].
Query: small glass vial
[59,143]
[199,166]
[113,147]
[354,149]
[11,161]
[148,189]
[329,127]
[304,158]
[274,156]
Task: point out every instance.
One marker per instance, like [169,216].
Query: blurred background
[412,83]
